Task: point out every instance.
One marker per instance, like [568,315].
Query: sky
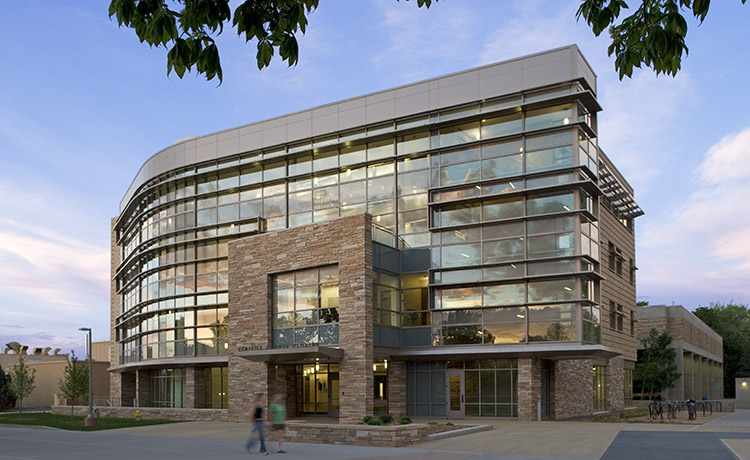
[83,104]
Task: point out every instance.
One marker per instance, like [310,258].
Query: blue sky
[83,104]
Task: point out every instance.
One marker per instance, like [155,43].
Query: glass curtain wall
[305,307]
[173,235]
[167,388]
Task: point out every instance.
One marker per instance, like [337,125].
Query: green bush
[404,421]
[385,419]
[370,420]
[433,423]
[449,424]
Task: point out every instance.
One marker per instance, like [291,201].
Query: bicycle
[656,410]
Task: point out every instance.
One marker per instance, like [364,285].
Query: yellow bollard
[138,415]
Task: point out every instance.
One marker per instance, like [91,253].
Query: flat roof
[512,76]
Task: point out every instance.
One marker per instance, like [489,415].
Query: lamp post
[90,420]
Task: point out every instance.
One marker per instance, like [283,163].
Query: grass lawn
[64,422]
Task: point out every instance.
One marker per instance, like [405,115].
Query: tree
[21,382]
[75,381]
[642,303]
[654,35]
[655,369]
[732,322]
[7,399]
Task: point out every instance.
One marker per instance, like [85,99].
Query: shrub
[386,419]
[449,424]
[433,423]
[404,421]
[370,420]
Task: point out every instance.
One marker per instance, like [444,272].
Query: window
[618,262]
[632,323]
[628,386]
[305,307]
[632,271]
[616,316]
[600,388]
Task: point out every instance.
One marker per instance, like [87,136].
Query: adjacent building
[699,351]
[456,247]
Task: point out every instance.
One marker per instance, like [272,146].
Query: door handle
[462,398]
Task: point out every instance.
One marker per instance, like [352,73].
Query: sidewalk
[543,439]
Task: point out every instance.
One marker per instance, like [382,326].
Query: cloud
[54,271]
[703,244]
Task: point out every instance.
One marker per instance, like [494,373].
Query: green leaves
[189,30]
[654,35]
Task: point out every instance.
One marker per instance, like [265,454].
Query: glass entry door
[333,395]
[455,397]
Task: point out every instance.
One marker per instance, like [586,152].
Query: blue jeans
[260,425]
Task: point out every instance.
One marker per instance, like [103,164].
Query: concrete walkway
[726,437]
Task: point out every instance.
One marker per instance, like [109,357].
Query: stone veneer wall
[116,390]
[397,389]
[529,388]
[361,435]
[573,388]
[346,242]
[615,384]
[207,415]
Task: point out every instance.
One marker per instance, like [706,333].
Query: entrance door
[455,393]
[333,395]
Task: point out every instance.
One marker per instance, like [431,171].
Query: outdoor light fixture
[90,420]
[744,384]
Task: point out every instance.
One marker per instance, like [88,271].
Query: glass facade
[475,388]
[305,307]
[167,388]
[488,218]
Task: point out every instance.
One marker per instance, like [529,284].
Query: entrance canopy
[281,355]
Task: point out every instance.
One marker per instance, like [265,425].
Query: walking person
[278,417]
[258,427]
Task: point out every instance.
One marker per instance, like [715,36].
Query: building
[454,247]
[699,351]
[49,370]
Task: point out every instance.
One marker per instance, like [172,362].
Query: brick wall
[345,242]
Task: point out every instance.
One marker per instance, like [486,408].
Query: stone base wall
[360,435]
[615,384]
[206,415]
[573,388]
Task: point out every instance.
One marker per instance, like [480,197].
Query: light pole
[90,420]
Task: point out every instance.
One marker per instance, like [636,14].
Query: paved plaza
[727,437]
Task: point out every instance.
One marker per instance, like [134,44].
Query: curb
[461,432]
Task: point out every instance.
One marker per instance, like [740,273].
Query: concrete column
[688,377]
[677,392]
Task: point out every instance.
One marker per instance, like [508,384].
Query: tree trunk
[71,412]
